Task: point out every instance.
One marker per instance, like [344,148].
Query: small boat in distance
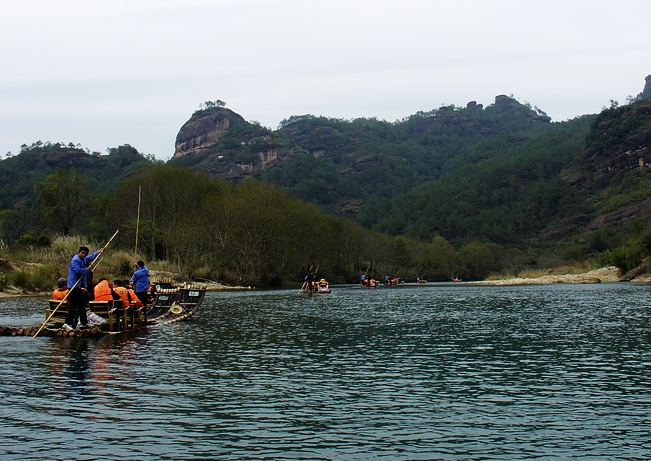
[390,281]
[322,286]
[369,283]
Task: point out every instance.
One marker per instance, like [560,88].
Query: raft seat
[60,314]
[139,316]
[107,311]
[132,317]
[126,317]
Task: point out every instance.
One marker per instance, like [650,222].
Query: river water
[440,371]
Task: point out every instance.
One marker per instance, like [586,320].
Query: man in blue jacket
[140,282]
[76,281]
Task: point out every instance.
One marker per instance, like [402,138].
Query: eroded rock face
[620,140]
[646,93]
[204,129]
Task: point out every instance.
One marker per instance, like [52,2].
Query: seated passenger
[61,291]
[134,299]
[104,291]
[123,292]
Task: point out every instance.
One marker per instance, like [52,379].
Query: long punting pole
[93,265]
[135,249]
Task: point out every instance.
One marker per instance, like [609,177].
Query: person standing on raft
[76,281]
[140,282]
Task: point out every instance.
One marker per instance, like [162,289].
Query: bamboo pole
[135,249]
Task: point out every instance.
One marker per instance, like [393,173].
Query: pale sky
[104,73]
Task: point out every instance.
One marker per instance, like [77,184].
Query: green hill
[504,174]
[102,174]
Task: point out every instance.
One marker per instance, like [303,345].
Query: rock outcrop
[619,138]
[642,270]
[221,143]
[646,93]
[619,141]
[204,129]
[504,113]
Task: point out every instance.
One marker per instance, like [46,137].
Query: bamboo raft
[172,303]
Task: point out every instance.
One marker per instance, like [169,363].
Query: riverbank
[155,277]
[603,275]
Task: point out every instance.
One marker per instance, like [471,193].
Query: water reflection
[75,372]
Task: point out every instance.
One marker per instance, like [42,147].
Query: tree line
[253,233]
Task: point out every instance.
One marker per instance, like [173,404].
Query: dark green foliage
[255,233]
[512,193]
[41,163]
[452,192]
[30,239]
[314,180]
[613,126]
[19,173]
[37,279]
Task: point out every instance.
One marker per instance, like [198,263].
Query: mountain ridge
[504,173]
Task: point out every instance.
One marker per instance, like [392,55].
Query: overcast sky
[104,73]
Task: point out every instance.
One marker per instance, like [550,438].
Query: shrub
[38,278]
[21,279]
[45,277]
[65,247]
[624,258]
[119,263]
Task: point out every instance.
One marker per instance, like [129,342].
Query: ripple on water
[445,372]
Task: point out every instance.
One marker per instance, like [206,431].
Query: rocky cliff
[204,129]
[620,139]
[223,144]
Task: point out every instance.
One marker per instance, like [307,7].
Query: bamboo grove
[256,234]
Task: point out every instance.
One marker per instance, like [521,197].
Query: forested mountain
[436,190]
[504,174]
[19,173]
[343,165]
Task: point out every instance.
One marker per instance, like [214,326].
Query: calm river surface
[414,372]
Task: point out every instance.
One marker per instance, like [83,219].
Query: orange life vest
[59,294]
[135,298]
[124,295]
[103,291]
